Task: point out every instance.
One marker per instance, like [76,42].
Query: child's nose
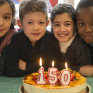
[36,26]
[1,21]
[88,29]
[62,28]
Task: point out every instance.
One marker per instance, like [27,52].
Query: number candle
[65,76]
[41,79]
[52,73]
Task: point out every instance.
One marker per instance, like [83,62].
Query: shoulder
[79,45]
[79,42]
[20,38]
[19,35]
[49,38]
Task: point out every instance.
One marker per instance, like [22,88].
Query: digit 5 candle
[41,80]
[52,73]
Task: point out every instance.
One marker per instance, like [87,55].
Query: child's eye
[67,24]
[56,25]
[29,22]
[81,24]
[42,22]
[6,17]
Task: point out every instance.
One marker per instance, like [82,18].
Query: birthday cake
[77,84]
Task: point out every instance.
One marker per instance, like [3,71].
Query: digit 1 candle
[41,80]
[52,73]
[65,77]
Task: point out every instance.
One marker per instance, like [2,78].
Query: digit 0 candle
[65,77]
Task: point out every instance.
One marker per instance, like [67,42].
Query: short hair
[63,8]
[12,6]
[84,3]
[26,6]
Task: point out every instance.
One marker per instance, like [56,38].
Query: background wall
[50,4]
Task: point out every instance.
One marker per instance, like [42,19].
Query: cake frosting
[78,84]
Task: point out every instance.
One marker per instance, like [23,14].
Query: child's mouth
[62,35]
[88,36]
[1,30]
[35,33]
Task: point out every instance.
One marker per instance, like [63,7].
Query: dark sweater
[21,48]
[92,55]
[2,59]
[5,48]
[78,54]
[91,47]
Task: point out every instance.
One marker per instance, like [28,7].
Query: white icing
[33,89]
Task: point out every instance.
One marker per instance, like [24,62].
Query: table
[90,82]
[12,84]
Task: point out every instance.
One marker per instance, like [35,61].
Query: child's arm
[82,57]
[86,70]
[11,65]
[22,65]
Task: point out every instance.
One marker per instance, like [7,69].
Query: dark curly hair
[84,3]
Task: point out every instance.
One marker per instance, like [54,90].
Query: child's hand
[86,70]
[22,65]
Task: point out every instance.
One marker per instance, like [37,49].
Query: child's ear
[19,23]
[47,23]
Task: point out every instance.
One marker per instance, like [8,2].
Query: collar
[64,46]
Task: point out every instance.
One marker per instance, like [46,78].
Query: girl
[7,30]
[71,48]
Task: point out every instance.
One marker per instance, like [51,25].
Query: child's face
[5,18]
[63,27]
[85,24]
[34,25]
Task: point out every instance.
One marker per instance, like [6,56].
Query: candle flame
[66,65]
[40,62]
[52,63]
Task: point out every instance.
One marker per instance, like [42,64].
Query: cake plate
[21,89]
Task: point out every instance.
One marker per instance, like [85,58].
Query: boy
[84,12]
[24,54]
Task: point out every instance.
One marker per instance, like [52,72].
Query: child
[23,57]
[84,12]
[7,30]
[71,48]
